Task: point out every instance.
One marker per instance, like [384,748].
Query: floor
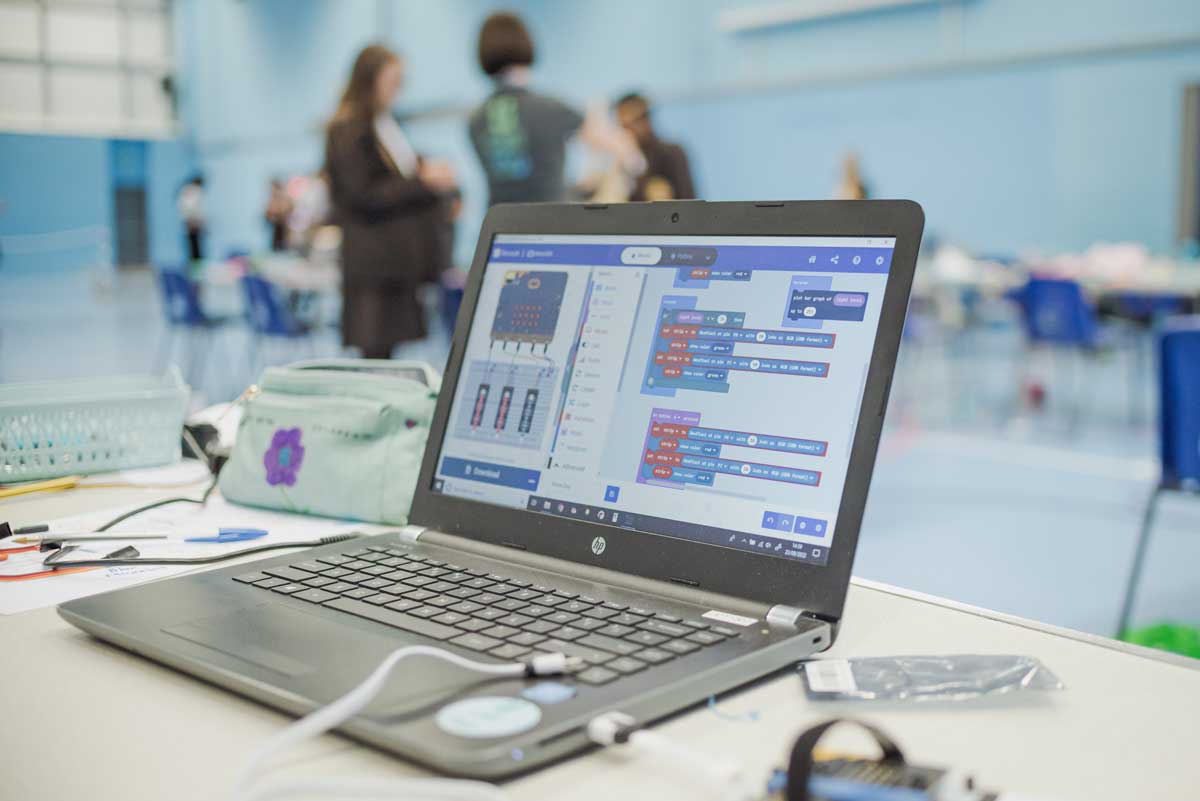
[975,497]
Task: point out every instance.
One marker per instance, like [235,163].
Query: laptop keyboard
[489,613]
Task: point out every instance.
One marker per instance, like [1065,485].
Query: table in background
[1161,277]
[86,720]
[289,272]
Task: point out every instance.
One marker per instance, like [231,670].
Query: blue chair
[1055,312]
[181,300]
[270,318]
[1056,315]
[1179,436]
[186,317]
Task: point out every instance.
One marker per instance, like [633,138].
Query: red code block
[662,357]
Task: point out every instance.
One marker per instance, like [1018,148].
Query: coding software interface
[706,388]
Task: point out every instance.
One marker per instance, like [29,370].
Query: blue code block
[826,305]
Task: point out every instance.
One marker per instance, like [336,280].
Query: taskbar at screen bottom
[614,516]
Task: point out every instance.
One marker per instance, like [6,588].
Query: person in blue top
[521,135]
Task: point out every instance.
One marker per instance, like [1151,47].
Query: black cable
[40,528]
[55,560]
[165,502]
[801,759]
[6,530]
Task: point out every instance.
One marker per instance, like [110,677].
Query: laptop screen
[705,388]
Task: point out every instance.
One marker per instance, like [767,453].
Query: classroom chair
[1055,312]
[1179,437]
[271,320]
[187,319]
[1057,316]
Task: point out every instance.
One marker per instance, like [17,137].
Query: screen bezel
[716,568]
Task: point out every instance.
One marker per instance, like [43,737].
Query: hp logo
[598,545]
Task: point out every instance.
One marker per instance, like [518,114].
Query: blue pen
[232,535]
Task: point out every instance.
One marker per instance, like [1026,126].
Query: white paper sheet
[178,521]
[183,472]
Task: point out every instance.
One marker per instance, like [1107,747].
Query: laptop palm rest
[320,660]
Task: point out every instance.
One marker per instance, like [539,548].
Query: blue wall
[1047,158]
[168,164]
[127,163]
[1059,126]
[49,184]
[1051,146]
[52,184]
[257,81]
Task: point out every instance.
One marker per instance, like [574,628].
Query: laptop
[651,451]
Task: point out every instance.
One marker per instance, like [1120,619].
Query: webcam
[675,217]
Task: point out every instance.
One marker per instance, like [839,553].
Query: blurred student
[521,135]
[190,205]
[850,184]
[279,210]
[388,202]
[314,231]
[667,175]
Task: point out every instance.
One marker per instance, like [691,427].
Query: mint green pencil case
[332,440]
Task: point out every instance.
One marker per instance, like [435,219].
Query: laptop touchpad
[323,659]
[272,636]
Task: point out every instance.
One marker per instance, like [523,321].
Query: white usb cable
[727,778]
[338,712]
[611,728]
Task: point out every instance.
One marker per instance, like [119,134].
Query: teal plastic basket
[63,428]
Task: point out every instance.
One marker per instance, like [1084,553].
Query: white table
[82,719]
[1164,277]
[289,272]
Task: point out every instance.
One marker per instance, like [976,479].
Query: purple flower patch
[284,457]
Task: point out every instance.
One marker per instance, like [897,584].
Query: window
[95,67]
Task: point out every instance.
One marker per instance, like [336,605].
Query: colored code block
[821,304]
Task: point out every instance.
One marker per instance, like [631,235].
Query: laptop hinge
[788,617]
[410,534]
[795,619]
